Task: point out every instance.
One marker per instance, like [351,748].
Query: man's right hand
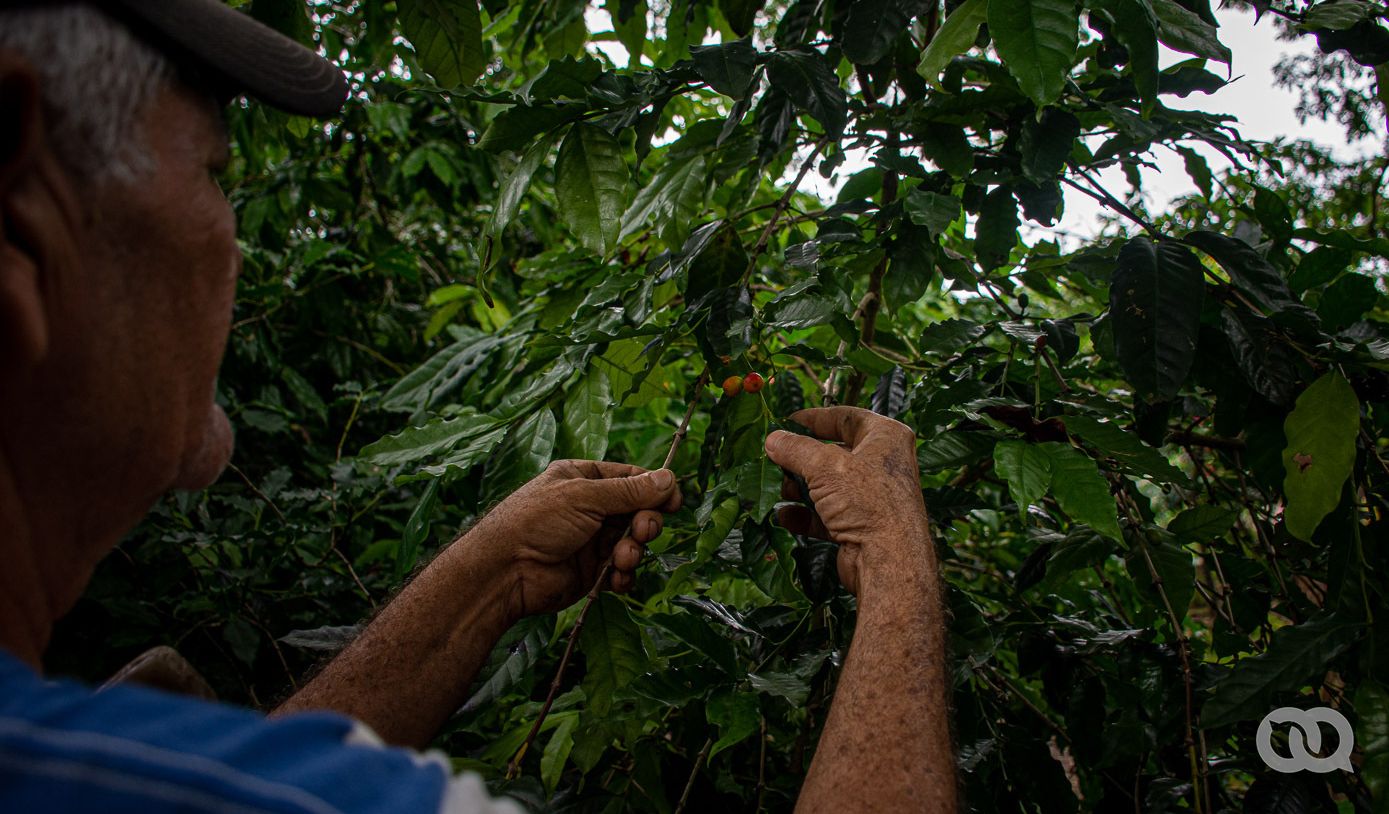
[866,489]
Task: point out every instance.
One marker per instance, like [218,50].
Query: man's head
[118,257]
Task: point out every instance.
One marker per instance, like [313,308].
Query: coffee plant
[1154,459]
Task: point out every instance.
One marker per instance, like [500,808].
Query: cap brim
[257,59]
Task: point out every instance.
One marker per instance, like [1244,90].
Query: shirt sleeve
[64,748]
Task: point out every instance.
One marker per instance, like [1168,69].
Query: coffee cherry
[732,386]
[753,382]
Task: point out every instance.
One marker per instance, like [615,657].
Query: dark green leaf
[1202,524]
[524,454]
[808,80]
[735,714]
[996,232]
[591,184]
[727,68]
[956,35]
[416,530]
[1155,307]
[1134,456]
[1037,41]
[514,127]
[873,26]
[612,648]
[932,210]
[447,36]
[1046,145]
[1185,31]
[1347,300]
[1296,653]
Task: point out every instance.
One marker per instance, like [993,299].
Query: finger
[594,470]
[627,555]
[790,490]
[621,582]
[647,525]
[625,495]
[799,454]
[801,520]
[848,424]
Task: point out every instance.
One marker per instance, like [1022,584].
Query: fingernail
[649,530]
[663,478]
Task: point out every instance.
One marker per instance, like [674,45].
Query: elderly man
[118,265]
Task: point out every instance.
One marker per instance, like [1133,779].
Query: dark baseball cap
[240,53]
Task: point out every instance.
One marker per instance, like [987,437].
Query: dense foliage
[1154,462]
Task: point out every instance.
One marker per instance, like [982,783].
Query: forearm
[410,668]
[886,744]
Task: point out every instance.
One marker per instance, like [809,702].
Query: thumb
[650,490]
[795,453]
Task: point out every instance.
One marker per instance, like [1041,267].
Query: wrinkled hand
[866,488]
[553,535]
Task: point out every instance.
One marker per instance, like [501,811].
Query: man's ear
[24,326]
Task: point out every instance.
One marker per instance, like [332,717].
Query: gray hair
[96,77]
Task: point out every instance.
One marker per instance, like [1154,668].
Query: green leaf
[1173,566]
[1372,735]
[557,749]
[1319,267]
[1136,457]
[524,454]
[872,27]
[1027,468]
[1081,490]
[673,199]
[1155,307]
[1321,432]
[1046,145]
[806,77]
[447,36]
[520,656]
[759,486]
[611,643]
[803,305]
[426,385]
[1337,15]
[735,714]
[699,634]
[1037,41]
[1136,27]
[514,127]
[741,14]
[587,417]
[466,455]
[1202,524]
[1295,654]
[1257,278]
[566,78]
[514,188]
[727,68]
[1347,300]
[1185,31]
[720,265]
[721,521]
[1198,170]
[932,210]
[591,185]
[427,441]
[890,396]
[956,36]
[793,688]
[996,232]
[416,530]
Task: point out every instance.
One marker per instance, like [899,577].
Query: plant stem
[603,574]
[694,772]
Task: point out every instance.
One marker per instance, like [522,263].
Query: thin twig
[603,574]
[781,206]
[694,772]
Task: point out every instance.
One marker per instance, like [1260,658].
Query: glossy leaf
[873,26]
[807,79]
[1185,31]
[1027,469]
[587,417]
[1081,490]
[613,652]
[591,184]
[727,68]
[956,35]
[1155,305]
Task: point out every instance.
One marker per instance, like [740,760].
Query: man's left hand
[553,535]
